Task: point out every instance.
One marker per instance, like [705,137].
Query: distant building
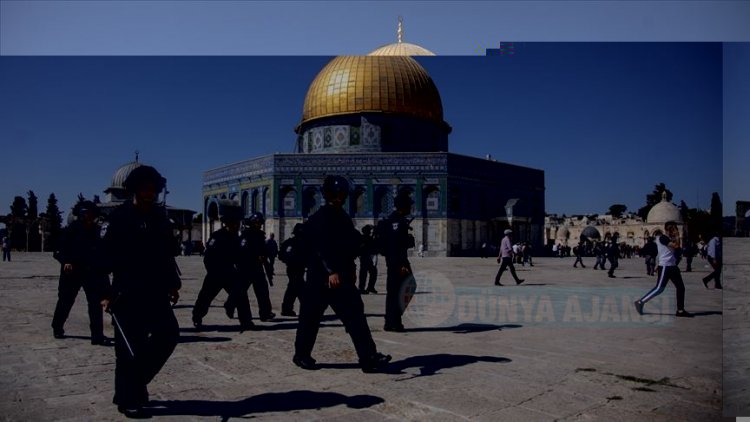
[631,228]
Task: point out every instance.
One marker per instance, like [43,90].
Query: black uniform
[81,247]
[220,260]
[367,258]
[396,241]
[252,266]
[613,254]
[331,244]
[292,254]
[578,250]
[140,252]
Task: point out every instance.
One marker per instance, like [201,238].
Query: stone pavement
[565,345]
[736,276]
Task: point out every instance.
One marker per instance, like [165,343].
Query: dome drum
[372,132]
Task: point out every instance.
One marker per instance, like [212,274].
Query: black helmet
[367,229]
[298,229]
[335,185]
[143,174]
[230,211]
[403,200]
[256,217]
[83,207]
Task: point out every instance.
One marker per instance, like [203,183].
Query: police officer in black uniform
[79,253]
[140,253]
[220,260]
[331,244]
[292,254]
[396,240]
[252,265]
[368,258]
[613,255]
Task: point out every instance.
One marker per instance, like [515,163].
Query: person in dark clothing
[578,250]
[368,261]
[252,265]
[79,253]
[613,254]
[140,251]
[600,250]
[220,260]
[649,253]
[396,241]
[272,251]
[331,244]
[292,254]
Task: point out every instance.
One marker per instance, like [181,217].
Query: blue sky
[606,121]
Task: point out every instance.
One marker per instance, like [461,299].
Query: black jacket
[140,251]
[396,239]
[331,244]
[222,253]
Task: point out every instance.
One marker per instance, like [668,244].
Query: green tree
[19,208]
[716,213]
[617,210]
[53,222]
[654,198]
[33,237]
[17,227]
[33,209]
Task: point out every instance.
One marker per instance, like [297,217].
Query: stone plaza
[565,345]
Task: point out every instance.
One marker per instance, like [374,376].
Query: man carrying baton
[140,252]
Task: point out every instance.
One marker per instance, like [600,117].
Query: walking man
[145,279]
[272,251]
[714,255]
[331,242]
[252,265]
[220,260]
[613,254]
[578,250]
[506,258]
[6,248]
[666,271]
[79,253]
[368,262]
[293,255]
[396,241]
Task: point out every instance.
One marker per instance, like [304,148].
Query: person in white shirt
[713,254]
[667,270]
[506,259]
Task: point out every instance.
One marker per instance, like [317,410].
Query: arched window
[383,202]
[431,198]
[288,206]
[311,200]
[267,202]
[358,202]
[254,201]
[245,203]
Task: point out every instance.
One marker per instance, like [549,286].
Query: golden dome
[401,49]
[384,84]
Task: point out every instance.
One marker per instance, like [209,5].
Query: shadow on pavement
[432,364]
[268,402]
[465,328]
[198,339]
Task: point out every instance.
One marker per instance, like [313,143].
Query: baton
[122,333]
